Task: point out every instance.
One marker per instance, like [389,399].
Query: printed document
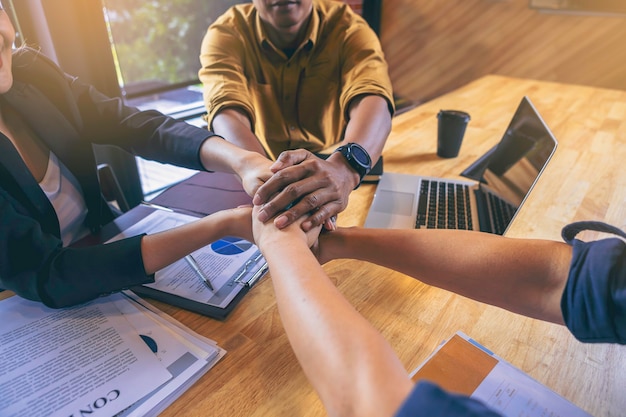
[85,360]
[463,366]
[229,263]
[186,355]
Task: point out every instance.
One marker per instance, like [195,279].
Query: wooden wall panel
[434,46]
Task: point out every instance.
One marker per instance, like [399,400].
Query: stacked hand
[303,184]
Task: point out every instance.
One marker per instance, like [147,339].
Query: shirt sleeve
[365,70]
[225,45]
[149,134]
[594,299]
[428,399]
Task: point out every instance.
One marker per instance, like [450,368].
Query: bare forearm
[343,356]
[369,125]
[217,154]
[161,249]
[236,128]
[524,276]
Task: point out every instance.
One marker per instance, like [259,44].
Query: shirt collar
[308,42]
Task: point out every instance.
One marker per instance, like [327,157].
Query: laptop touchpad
[393,202]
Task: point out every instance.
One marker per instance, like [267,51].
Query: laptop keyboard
[495,213]
[443,205]
[502,213]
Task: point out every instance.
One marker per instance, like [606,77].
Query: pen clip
[198,270]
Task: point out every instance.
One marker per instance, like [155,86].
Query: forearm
[252,168]
[343,356]
[235,126]
[520,275]
[217,154]
[369,124]
[161,249]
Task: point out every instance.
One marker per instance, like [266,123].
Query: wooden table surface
[586,179]
[260,376]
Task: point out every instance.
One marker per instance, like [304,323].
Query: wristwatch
[358,158]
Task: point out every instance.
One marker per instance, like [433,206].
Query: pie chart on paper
[152,344]
[230,246]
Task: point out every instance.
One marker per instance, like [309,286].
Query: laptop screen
[517,161]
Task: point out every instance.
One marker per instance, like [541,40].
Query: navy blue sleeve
[594,300]
[428,399]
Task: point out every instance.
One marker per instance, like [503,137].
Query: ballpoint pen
[156,206]
[194,265]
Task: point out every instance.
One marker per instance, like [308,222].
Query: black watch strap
[358,158]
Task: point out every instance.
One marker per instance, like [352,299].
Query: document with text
[116,356]
[86,360]
[185,354]
[232,265]
[461,365]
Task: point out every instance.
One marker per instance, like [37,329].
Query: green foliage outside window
[157,42]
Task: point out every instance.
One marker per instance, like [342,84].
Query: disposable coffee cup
[450,132]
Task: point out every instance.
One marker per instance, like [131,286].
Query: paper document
[463,366]
[116,356]
[85,360]
[185,355]
[229,263]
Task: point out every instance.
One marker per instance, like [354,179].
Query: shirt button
[292,127]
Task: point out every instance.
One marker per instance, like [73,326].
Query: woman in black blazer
[46,115]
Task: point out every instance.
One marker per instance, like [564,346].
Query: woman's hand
[237,222]
[266,232]
[252,168]
[256,173]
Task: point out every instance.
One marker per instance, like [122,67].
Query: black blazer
[69,116]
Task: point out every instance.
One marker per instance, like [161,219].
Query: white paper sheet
[185,356]
[85,359]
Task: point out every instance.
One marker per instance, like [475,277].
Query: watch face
[359,155]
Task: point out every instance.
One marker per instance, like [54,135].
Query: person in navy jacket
[355,370]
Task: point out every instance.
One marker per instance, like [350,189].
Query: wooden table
[586,179]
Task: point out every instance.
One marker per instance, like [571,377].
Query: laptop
[498,184]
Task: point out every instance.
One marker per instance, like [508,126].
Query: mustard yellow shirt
[299,101]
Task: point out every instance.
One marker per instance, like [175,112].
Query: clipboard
[205,309]
[202,194]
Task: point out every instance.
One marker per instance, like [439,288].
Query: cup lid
[453,113]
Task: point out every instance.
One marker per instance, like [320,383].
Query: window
[147,50]
[156,45]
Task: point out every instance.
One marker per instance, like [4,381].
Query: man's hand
[303,183]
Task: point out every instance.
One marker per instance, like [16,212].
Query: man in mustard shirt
[280,75]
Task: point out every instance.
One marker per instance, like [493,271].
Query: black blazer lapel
[54,129]
[18,181]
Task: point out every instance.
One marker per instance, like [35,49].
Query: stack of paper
[114,356]
[463,366]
